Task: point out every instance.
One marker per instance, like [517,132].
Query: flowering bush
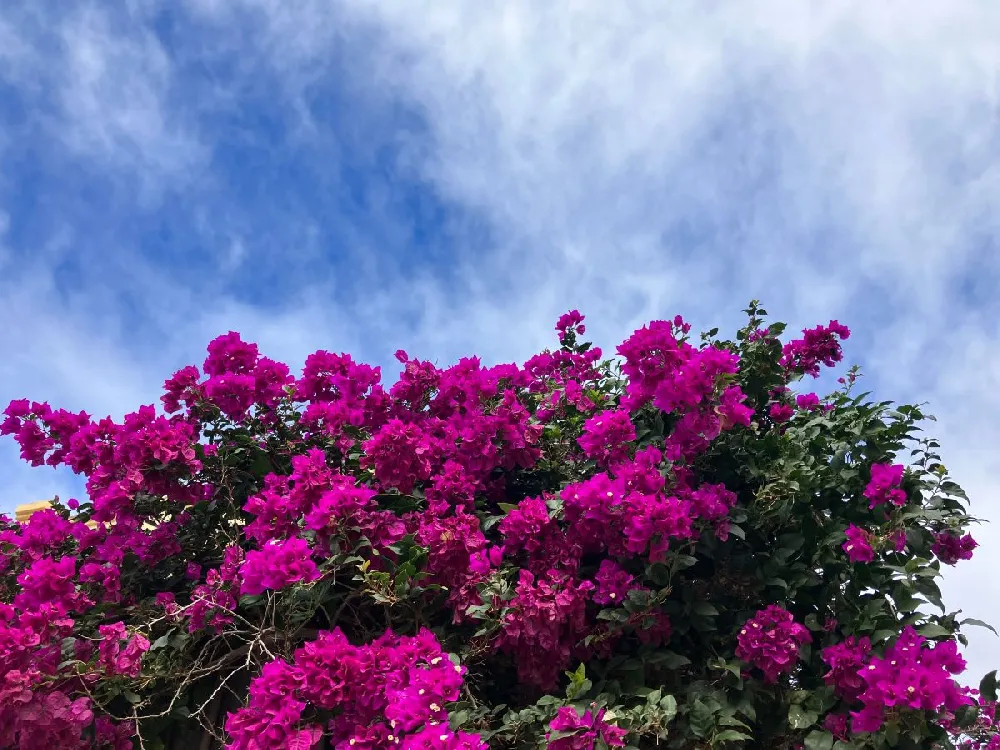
[671,547]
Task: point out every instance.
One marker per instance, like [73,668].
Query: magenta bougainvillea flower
[883,487]
[573,552]
[770,641]
[858,545]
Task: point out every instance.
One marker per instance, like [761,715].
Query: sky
[448,177]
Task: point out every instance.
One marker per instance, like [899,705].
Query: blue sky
[449,177]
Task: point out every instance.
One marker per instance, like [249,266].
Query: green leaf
[684,561]
[669,705]
[734,667]
[704,609]
[966,716]
[397,503]
[562,734]
[892,733]
[614,615]
[791,542]
[160,642]
[731,735]
[979,624]
[702,718]
[905,601]
[732,721]
[818,740]
[799,718]
[933,630]
[578,682]
[659,574]
[668,659]
[882,635]
[988,686]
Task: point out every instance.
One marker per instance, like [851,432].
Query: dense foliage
[670,548]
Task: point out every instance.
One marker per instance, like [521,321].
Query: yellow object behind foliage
[26,511]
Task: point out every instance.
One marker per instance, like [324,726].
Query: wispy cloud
[122,101]
[101,87]
[448,177]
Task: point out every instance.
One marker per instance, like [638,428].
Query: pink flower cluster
[332,452]
[677,377]
[911,674]
[807,401]
[238,379]
[613,583]
[570,323]
[819,345]
[837,725]
[846,661]
[117,659]
[547,617]
[214,601]
[858,545]
[884,485]
[578,732]
[983,733]
[950,547]
[37,708]
[607,436]
[625,513]
[276,565]
[781,410]
[770,641]
[632,513]
[392,692]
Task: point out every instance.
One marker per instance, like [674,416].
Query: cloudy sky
[449,177]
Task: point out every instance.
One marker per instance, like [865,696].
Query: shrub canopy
[668,548]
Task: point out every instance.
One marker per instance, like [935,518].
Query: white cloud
[965,396]
[820,156]
[102,85]
[114,93]
[95,88]
[61,349]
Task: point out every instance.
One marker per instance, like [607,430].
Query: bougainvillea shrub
[678,546]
